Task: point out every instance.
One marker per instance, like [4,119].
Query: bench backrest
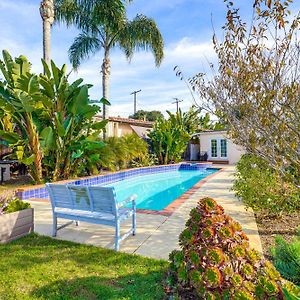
[59,195]
[88,198]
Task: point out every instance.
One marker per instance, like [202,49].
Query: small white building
[218,147]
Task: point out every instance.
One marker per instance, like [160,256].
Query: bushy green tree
[169,137]
[261,188]
[151,116]
[123,152]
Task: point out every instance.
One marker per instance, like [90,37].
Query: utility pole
[134,99]
[177,101]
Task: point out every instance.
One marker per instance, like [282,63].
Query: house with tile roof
[118,127]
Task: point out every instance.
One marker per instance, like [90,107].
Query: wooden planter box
[15,225]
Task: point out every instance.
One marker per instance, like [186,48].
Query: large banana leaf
[10,137]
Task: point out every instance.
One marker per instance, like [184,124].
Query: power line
[177,101]
[134,99]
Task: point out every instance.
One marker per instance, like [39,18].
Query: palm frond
[142,33]
[87,15]
[83,46]
[66,11]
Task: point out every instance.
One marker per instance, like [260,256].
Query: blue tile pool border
[41,192]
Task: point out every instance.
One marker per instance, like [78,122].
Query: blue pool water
[156,191]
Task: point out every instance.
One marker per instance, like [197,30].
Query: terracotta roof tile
[131,121]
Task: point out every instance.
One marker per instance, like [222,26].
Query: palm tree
[47,14]
[104,25]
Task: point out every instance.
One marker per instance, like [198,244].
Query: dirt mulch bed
[15,182]
[269,228]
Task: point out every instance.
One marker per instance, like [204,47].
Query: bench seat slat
[123,213]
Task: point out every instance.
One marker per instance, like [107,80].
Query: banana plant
[169,137]
[20,99]
[71,133]
[47,121]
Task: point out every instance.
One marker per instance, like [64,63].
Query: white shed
[219,147]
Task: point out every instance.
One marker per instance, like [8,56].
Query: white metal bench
[92,204]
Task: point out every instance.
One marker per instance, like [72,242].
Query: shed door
[218,148]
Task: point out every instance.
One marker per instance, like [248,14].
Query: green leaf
[47,137]
[60,128]
[29,160]
[48,87]
[99,125]
[77,154]
[9,137]
[80,103]
[104,101]
[46,68]
[55,72]
[289,296]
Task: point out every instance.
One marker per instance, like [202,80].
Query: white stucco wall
[234,152]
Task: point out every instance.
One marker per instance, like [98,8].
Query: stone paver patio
[157,235]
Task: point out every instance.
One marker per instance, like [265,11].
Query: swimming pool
[157,191]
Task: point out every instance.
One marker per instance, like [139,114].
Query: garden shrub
[215,261]
[10,203]
[260,188]
[286,258]
[124,152]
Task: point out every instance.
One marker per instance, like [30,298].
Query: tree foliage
[124,152]
[151,116]
[261,188]
[47,121]
[256,86]
[104,25]
[169,137]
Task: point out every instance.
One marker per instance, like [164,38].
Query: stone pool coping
[40,191]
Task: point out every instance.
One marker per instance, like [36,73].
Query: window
[223,148]
[214,148]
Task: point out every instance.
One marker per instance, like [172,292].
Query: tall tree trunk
[105,82]
[105,87]
[47,14]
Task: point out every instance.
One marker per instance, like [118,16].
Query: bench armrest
[132,199]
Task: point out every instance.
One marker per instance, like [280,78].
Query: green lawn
[37,267]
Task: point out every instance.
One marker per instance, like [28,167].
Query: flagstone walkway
[157,235]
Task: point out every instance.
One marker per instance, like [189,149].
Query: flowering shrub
[10,203]
[216,262]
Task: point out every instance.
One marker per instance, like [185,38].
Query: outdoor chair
[92,204]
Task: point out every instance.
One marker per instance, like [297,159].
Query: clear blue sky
[185,26]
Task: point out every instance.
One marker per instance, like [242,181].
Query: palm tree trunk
[46,42]
[47,14]
[105,82]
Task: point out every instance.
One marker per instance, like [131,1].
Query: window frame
[211,148]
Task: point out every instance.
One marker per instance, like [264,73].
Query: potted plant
[16,217]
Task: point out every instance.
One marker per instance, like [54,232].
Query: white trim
[210,132]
